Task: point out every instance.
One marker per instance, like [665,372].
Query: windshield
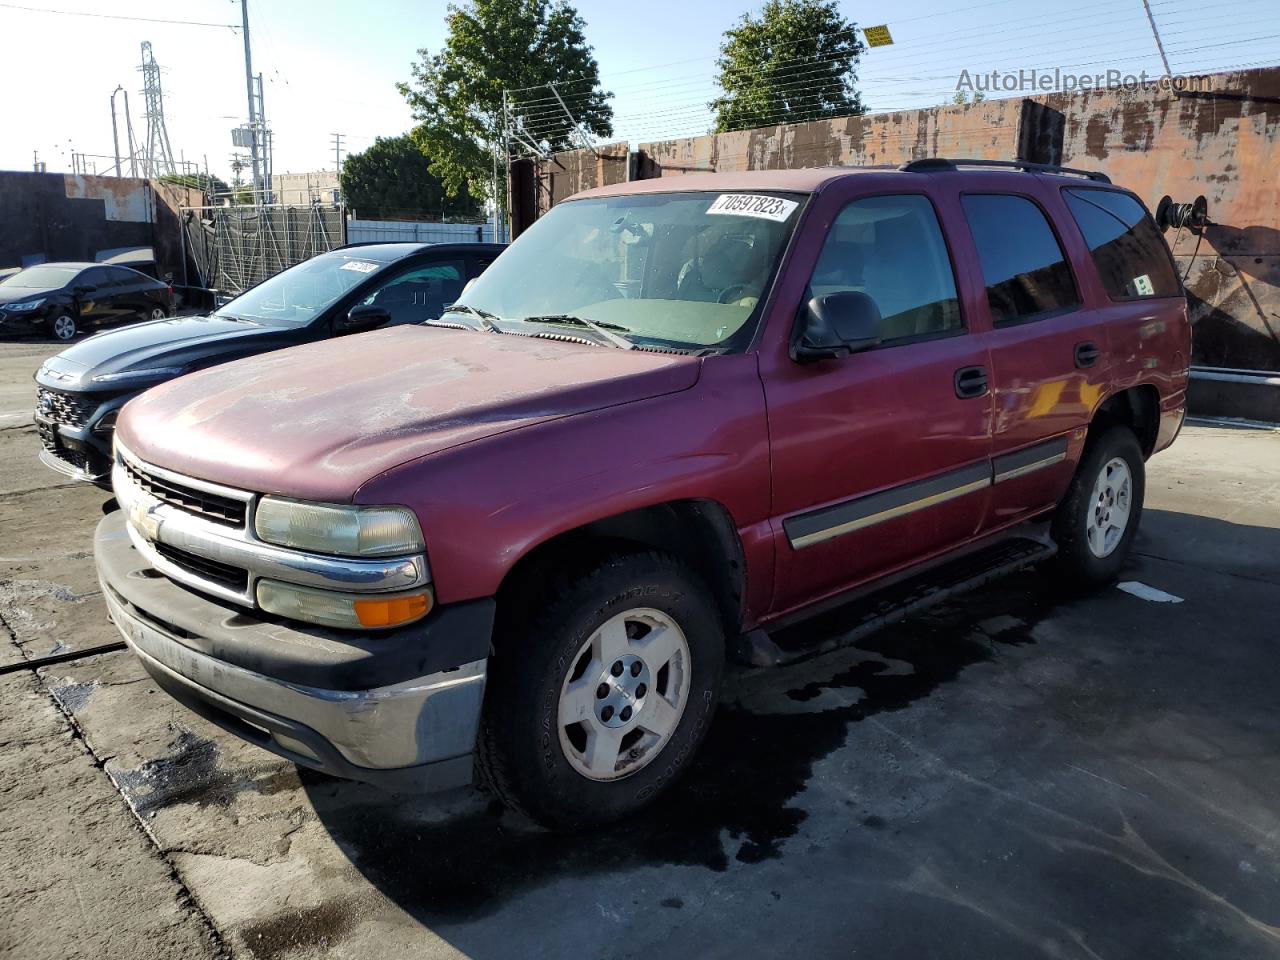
[41,278]
[685,270]
[298,295]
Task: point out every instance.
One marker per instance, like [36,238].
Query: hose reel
[1192,215]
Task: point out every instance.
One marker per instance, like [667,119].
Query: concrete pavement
[1019,773]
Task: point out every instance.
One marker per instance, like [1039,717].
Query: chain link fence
[233,248]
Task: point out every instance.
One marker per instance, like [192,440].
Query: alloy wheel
[1109,508]
[64,327]
[624,695]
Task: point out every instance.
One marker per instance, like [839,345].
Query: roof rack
[935,164]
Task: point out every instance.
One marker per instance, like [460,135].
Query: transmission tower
[158,158]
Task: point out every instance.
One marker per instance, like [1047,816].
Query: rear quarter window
[1125,244]
[1025,271]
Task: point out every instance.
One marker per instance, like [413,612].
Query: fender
[484,505]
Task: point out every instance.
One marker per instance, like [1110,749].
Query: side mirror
[82,289]
[836,325]
[364,316]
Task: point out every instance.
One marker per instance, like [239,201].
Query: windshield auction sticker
[752,205]
[360,266]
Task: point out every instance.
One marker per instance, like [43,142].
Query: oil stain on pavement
[468,863]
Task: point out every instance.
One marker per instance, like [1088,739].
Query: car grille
[71,409]
[222,574]
[211,506]
[73,457]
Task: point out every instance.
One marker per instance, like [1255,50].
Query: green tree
[211,184]
[495,46]
[796,61]
[393,178]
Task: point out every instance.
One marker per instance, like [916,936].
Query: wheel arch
[700,532]
[1137,408]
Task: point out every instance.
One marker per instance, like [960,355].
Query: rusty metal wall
[55,216]
[988,131]
[1221,140]
[572,171]
[1224,143]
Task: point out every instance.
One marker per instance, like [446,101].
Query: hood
[317,421]
[176,342]
[19,294]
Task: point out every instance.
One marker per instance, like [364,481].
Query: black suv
[355,288]
[61,299]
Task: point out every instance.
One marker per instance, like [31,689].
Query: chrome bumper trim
[419,721]
[150,519]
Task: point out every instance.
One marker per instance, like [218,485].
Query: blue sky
[332,66]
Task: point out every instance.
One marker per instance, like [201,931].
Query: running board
[894,603]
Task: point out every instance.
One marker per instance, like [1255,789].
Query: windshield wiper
[484,316]
[604,330]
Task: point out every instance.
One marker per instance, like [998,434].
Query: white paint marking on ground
[1144,592]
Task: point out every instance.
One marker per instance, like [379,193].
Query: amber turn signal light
[393,611]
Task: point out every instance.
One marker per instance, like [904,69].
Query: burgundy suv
[674,416]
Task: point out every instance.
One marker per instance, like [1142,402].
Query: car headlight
[25,306]
[152,373]
[351,611]
[344,531]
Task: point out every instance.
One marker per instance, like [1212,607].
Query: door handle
[971,382]
[1087,354]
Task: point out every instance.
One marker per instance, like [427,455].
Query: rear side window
[891,249]
[1023,266]
[1126,245]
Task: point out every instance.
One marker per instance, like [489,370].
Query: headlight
[341,530]
[153,373]
[24,306]
[347,610]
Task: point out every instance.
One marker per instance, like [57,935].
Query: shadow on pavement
[460,858]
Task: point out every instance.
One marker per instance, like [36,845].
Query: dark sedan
[59,300]
[80,390]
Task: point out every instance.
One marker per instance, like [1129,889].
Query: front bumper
[75,449]
[400,709]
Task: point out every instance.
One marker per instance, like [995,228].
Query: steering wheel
[736,289]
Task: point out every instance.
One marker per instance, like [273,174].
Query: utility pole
[337,152]
[248,86]
[115,136]
[1156,33]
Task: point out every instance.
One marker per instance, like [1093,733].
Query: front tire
[599,702]
[1095,524]
[63,327]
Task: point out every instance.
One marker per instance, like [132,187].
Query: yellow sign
[877,36]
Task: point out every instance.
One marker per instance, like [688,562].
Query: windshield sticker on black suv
[360,266]
[752,205]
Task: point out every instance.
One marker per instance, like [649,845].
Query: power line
[118,16]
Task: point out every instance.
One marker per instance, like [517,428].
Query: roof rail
[935,164]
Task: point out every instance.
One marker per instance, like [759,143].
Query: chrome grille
[70,409]
[234,578]
[203,503]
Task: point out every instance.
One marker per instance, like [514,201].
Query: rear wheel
[1096,522]
[63,327]
[159,313]
[599,702]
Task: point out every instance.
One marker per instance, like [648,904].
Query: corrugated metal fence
[366,231]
